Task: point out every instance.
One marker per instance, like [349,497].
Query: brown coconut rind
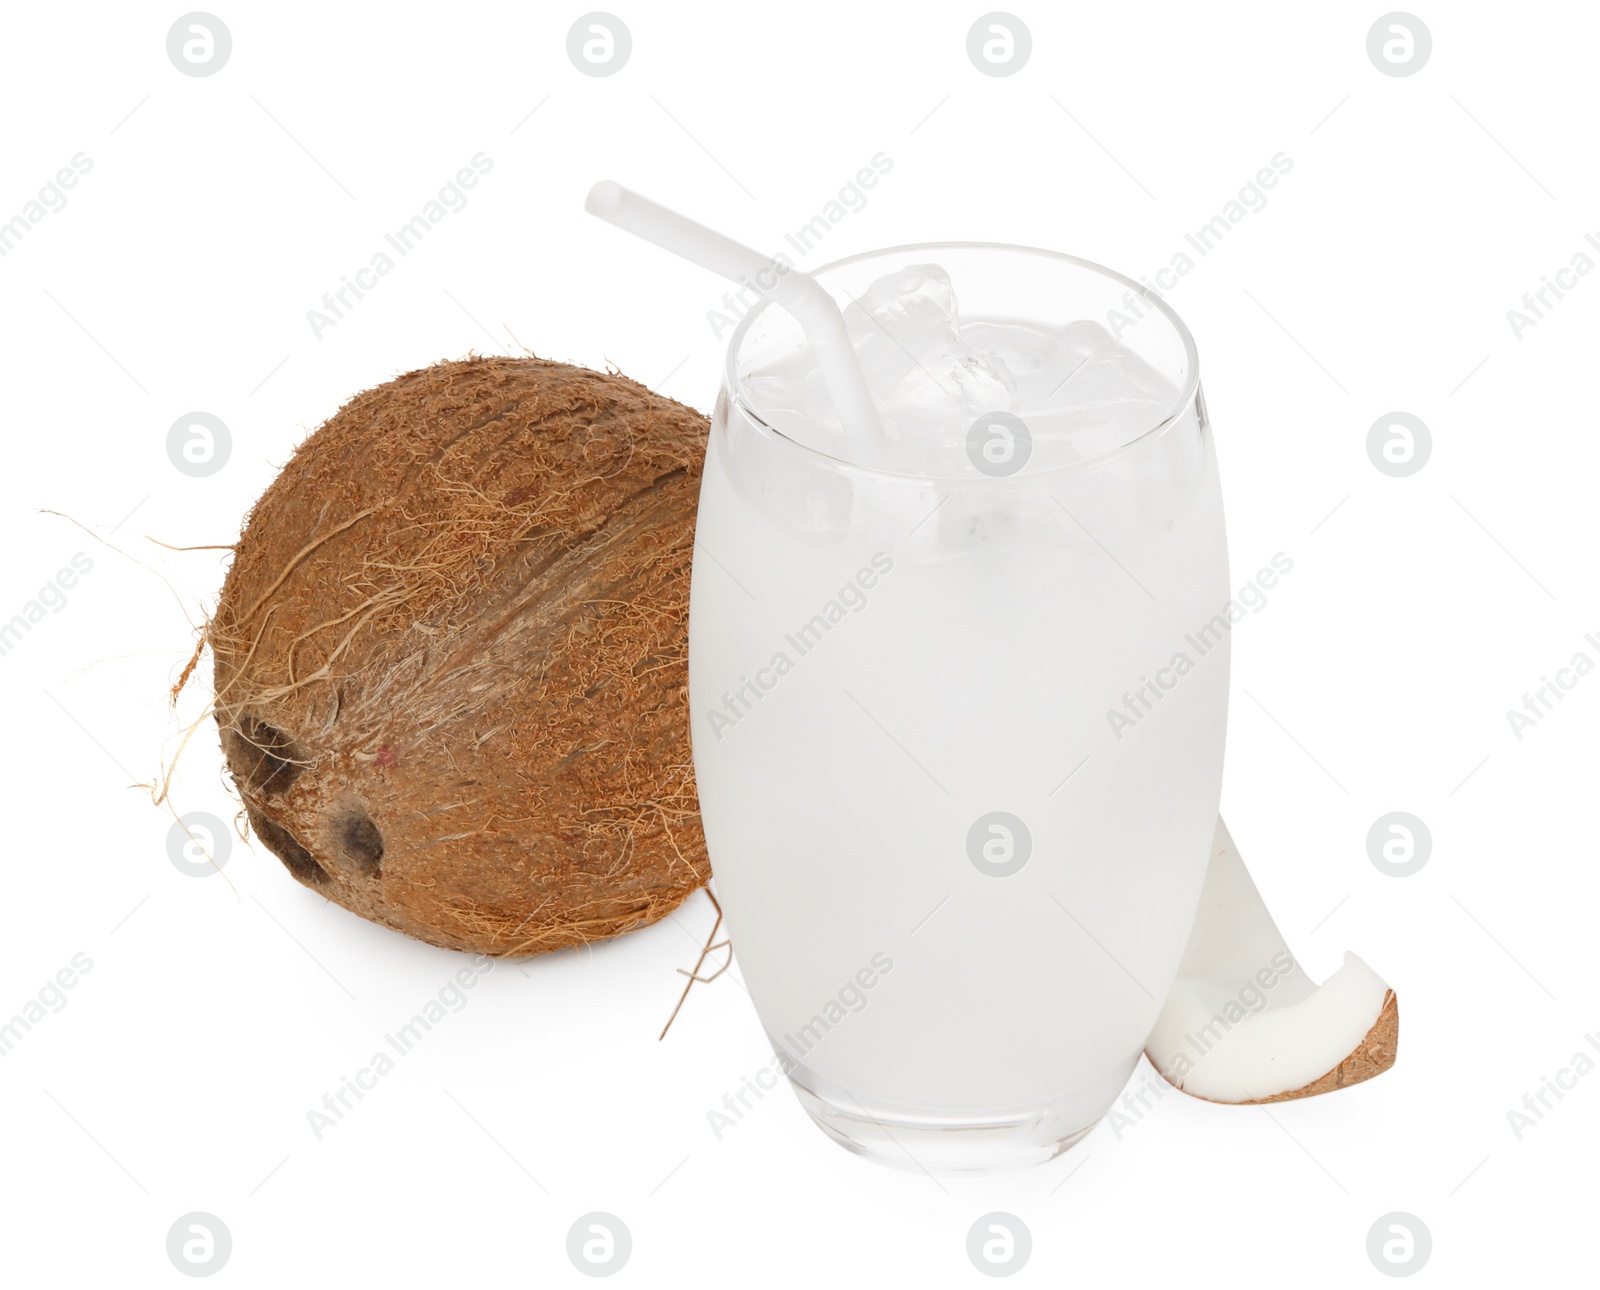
[451,656]
[1372,1056]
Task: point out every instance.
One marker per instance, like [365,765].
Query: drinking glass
[959,740]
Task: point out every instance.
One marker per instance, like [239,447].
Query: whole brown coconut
[451,656]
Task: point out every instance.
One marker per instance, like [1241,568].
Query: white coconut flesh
[1244,1023]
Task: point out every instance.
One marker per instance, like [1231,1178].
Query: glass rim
[734,385]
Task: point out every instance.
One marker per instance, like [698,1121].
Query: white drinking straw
[799,293]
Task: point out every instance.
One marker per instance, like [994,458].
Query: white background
[219,1010]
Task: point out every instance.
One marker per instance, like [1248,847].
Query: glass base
[946,1144]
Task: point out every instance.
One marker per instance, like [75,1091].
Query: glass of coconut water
[958,707]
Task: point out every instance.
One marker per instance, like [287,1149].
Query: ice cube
[1028,352]
[927,379]
[1104,397]
[916,301]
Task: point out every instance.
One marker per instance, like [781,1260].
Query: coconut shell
[1373,1055]
[451,656]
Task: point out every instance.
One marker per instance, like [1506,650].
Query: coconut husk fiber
[451,656]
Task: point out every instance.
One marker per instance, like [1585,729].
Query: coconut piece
[1245,1024]
[451,656]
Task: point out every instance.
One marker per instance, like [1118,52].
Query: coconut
[1244,1023]
[451,656]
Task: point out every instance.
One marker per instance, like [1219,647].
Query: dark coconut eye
[283,844]
[263,756]
[359,840]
